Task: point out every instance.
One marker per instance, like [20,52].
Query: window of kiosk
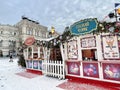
[35,55]
[89,55]
[35,52]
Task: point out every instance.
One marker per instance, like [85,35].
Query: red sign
[29,41]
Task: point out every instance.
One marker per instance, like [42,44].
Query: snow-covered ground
[10,81]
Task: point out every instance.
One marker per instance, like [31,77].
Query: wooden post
[63,58]
[38,52]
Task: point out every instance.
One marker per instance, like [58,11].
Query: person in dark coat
[11,58]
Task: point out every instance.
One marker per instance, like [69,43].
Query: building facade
[11,37]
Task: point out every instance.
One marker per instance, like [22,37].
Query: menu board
[88,42]
[72,49]
[110,47]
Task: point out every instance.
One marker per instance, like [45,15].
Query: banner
[84,26]
[117,4]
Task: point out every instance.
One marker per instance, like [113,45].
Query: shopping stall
[34,54]
[92,53]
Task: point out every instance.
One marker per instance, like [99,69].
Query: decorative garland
[103,27]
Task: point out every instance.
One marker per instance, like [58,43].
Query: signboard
[29,41]
[110,47]
[111,71]
[73,68]
[88,42]
[84,26]
[72,50]
[90,70]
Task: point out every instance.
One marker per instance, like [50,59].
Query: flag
[117,4]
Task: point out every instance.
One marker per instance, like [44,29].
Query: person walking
[11,58]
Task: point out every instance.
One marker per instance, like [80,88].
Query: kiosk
[92,56]
[34,54]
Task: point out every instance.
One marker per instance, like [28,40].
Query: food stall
[92,56]
[34,54]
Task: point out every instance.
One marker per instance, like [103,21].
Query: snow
[10,81]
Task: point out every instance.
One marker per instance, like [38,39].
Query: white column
[99,48]
[80,56]
[32,51]
[79,49]
[62,53]
[27,54]
[39,52]
[63,58]
[65,51]
[99,54]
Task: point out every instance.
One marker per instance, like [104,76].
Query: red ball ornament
[116,30]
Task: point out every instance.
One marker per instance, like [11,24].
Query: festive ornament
[103,28]
[117,24]
[51,41]
[60,37]
[107,26]
[116,30]
[111,29]
[100,25]
[111,15]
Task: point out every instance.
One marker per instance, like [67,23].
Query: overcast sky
[57,13]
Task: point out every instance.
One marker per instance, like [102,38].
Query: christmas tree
[21,61]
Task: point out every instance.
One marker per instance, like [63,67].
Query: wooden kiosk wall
[103,57]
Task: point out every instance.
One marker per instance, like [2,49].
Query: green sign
[84,26]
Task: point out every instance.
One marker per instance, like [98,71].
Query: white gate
[53,68]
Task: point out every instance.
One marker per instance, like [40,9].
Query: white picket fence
[53,68]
